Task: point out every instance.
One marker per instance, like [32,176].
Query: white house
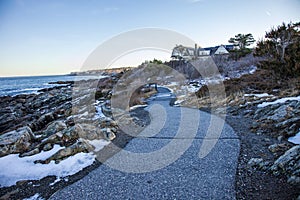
[203,52]
[188,53]
[182,52]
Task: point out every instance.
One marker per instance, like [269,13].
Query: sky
[43,37]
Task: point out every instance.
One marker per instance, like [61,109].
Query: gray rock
[68,136]
[108,134]
[280,138]
[258,163]
[265,111]
[89,131]
[30,153]
[92,132]
[55,127]
[288,163]
[17,141]
[278,114]
[43,121]
[6,121]
[48,147]
[288,122]
[277,147]
[294,180]
[289,156]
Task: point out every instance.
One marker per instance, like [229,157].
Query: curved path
[177,171]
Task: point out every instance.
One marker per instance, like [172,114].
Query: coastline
[250,183]
[37,112]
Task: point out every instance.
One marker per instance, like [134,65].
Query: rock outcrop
[16,141]
[289,164]
[61,116]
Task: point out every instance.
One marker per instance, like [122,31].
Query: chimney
[196,51]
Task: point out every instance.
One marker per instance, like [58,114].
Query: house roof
[181,51]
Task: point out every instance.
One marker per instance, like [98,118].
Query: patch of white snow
[99,114]
[282,100]
[13,168]
[295,139]
[137,106]
[192,88]
[34,197]
[56,180]
[258,95]
[98,144]
[253,70]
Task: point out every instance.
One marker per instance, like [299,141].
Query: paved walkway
[171,164]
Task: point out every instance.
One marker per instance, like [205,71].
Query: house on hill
[204,52]
[189,53]
[182,52]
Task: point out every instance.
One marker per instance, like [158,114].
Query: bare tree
[282,37]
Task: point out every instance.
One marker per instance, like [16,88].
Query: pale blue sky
[56,36]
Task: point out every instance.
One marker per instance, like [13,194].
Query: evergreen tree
[241,42]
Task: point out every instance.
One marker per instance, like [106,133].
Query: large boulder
[92,132]
[278,114]
[16,141]
[55,127]
[43,121]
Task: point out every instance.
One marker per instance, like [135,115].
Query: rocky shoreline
[72,118]
[77,117]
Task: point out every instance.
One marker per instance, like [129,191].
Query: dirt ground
[252,183]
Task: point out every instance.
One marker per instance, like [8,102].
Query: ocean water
[12,86]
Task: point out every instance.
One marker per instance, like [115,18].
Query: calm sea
[31,84]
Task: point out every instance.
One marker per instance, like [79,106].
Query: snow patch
[193,89]
[282,100]
[13,168]
[212,80]
[162,95]
[99,114]
[137,106]
[34,197]
[258,95]
[169,86]
[253,70]
[178,102]
[172,84]
[98,144]
[295,139]
[56,180]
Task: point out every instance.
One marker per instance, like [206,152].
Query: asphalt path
[183,154]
